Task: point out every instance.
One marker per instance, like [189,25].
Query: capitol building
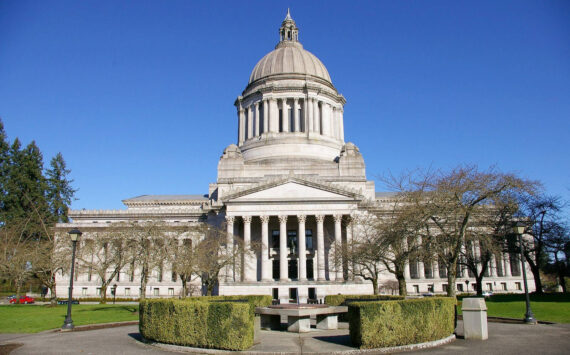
[287,188]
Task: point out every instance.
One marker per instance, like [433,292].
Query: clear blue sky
[138,95]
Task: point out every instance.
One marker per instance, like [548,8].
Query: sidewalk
[504,339]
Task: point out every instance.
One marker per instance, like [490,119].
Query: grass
[36,318]
[552,307]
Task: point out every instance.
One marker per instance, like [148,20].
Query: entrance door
[293,270]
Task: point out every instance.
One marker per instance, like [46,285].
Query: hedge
[394,323]
[199,323]
[252,300]
[340,300]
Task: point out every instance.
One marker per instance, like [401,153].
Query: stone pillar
[350,243]
[296,115]
[265,116]
[316,116]
[493,266]
[320,247]
[249,123]
[507,264]
[421,271]
[248,269]
[326,128]
[241,126]
[309,114]
[341,123]
[334,125]
[256,113]
[302,248]
[229,245]
[338,246]
[407,274]
[265,272]
[435,269]
[305,116]
[285,115]
[477,254]
[273,116]
[283,262]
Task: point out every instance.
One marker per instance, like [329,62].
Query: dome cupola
[290,108]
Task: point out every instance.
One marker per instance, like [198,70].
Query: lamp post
[518,229]
[68,323]
[114,289]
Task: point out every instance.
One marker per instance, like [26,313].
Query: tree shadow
[336,339]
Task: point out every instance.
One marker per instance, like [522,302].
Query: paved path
[504,339]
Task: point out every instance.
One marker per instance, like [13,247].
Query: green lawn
[548,307]
[35,318]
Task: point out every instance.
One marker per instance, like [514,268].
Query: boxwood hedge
[341,300]
[400,322]
[199,323]
[252,300]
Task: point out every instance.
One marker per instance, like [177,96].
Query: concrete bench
[298,320]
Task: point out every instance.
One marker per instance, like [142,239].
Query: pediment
[293,189]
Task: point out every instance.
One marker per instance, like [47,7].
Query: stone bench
[298,320]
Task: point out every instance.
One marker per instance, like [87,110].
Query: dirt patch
[6,349]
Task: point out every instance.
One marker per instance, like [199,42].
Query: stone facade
[289,185]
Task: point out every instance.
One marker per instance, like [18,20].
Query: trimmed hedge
[394,323]
[199,323]
[340,300]
[252,300]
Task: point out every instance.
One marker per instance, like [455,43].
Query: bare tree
[105,254]
[15,258]
[185,258]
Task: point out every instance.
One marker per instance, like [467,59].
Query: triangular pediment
[294,189]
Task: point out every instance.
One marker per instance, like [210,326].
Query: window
[292,239]
[276,272]
[275,293]
[309,239]
[460,287]
[171,291]
[489,286]
[293,294]
[312,293]
[89,274]
[416,288]
[518,286]
[474,286]
[98,291]
[127,291]
[504,286]
[118,276]
[280,120]
[444,287]
[173,277]
[84,291]
[156,292]
[430,288]
[275,238]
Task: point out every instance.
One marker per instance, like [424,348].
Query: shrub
[252,300]
[220,325]
[394,323]
[340,300]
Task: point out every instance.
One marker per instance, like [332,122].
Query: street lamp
[518,229]
[114,289]
[74,234]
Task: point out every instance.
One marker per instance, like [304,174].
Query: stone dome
[289,58]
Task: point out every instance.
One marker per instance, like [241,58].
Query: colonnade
[298,114]
[249,267]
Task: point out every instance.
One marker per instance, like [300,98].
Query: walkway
[504,339]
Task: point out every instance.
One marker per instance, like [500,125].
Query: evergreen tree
[59,190]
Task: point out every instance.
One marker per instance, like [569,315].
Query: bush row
[199,323]
[252,300]
[400,322]
[341,300]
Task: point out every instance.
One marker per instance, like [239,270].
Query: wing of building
[287,188]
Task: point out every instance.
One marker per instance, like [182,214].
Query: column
[350,243]
[320,248]
[265,116]
[302,248]
[305,116]
[256,111]
[493,266]
[325,119]
[309,115]
[341,123]
[421,270]
[462,270]
[273,116]
[507,262]
[285,115]
[477,254]
[241,126]
[283,262]
[316,117]
[249,123]
[435,268]
[296,116]
[334,126]
[407,274]
[229,245]
[265,274]
[248,269]
[338,246]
